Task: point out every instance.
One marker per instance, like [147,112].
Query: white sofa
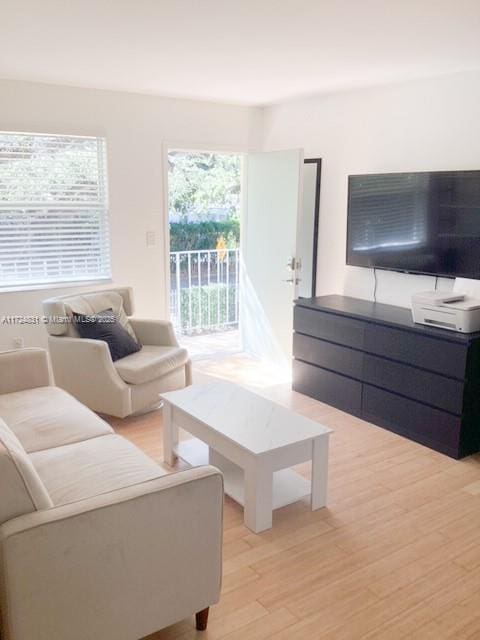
[84,367]
[97,541]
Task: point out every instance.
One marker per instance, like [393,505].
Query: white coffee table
[253,441]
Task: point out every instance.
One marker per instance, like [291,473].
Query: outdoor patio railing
[204,289]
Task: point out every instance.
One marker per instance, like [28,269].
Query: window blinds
[53,209]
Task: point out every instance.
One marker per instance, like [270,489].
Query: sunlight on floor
[243,369]
[220,355]
[216,345]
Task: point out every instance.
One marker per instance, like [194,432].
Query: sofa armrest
[154,332]
[120,565]
[24,369]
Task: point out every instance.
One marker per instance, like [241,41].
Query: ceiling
[238,51]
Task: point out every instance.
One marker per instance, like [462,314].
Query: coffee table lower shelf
[288,486]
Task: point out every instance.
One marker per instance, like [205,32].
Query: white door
[268,246]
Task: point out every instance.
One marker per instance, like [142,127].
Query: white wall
[417,126]
[135,127]
[425,125]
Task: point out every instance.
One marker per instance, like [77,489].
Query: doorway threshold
[216,345]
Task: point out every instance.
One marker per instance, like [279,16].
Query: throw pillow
[91,303]
[105,326]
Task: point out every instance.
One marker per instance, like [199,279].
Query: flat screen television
[425,223]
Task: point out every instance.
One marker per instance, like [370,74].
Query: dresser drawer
[418,384]
[420,350]
[331,388]
[329,326]
[412,419]
[328,355]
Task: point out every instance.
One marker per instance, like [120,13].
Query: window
[53,209]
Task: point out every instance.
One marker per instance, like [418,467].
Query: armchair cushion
[105,326]
[22,488]
[99,465]
[48,417]
[150,363]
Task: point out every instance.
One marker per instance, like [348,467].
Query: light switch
[151,238]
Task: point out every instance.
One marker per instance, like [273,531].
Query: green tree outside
[203,186]
[195,236]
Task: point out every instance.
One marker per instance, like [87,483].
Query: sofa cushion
[21,489]
[92,303]
[48,417]
[85,469]
[150,363]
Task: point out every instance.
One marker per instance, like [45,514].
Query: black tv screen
[427,223]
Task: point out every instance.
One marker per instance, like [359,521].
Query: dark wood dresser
[372,361]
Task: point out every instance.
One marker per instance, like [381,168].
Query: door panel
[269,236]
[307,228]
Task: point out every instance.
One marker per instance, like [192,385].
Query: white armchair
[84,367]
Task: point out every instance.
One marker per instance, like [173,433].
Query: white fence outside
[204,289]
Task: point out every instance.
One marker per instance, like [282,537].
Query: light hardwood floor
[395,555]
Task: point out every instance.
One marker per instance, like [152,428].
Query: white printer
[447,310]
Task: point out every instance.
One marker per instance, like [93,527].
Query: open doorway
[204,204]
